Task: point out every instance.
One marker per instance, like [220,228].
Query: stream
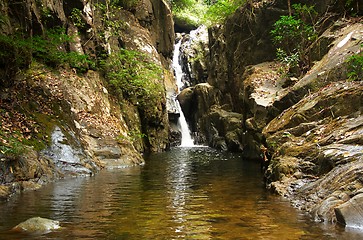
[185,193]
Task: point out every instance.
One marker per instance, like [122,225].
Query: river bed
[185,193]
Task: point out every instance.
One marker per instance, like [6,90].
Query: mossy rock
[37,225]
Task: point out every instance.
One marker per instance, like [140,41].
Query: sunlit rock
[38,225]
[350,213]
[322,135]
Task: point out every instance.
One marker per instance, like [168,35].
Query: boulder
[185,99]
[350,213]
[223,129]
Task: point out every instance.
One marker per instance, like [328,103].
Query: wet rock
[322,135]
[350,213]
[186,102]
[4,192]
[38,225]
[67,154]
[260,85]
[182,25]
[193,56]
[223,129]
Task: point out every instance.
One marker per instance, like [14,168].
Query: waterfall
[186,140]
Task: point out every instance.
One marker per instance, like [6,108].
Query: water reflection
[182,194]
[186,202]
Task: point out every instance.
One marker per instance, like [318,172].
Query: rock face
[351,213]
[318,150]
[307,130]
[81,124]
[231,48]
[193,53]
[317,142]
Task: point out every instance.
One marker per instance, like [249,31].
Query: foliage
[306,13]
[15,51]
[183,3]
[220,10]
[355,67]
[10,145]
[77,19]
[127,4]
[108,15]
[189,11]
[49,48]
[289,61]
[292,35]
[206,12]
[134,77]
[132,136]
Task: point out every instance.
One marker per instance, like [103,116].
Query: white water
[186,140]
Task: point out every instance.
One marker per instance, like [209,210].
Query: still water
[186,193]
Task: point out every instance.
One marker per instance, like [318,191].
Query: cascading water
[186,140]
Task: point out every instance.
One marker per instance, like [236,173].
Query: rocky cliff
[305,128]
[65,114]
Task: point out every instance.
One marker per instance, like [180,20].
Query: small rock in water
[38,224]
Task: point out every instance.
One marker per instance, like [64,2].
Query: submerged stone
[37,224]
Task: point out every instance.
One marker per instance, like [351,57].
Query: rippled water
[195,193]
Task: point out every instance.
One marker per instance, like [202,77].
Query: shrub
[10,146]
[77,18]
[108,14]
[220,10]
[204,11]
[289,62]
[292,35]
[49,48]
[355,67]
[134,77]
[15,54]
[189,12]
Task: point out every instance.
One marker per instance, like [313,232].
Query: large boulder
[223,129]
[350,213]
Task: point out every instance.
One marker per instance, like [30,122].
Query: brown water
[195,193]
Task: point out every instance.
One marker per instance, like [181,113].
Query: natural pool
[185,193]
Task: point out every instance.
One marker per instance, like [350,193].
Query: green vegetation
[207,12]
[355,67]
[352,7]
[190,12]
[77,18]
[292,35]
[49,48]
[127,4]
[10,145]
[108,15]
[219,11]
[134,77]
[133,136]
[15,54]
